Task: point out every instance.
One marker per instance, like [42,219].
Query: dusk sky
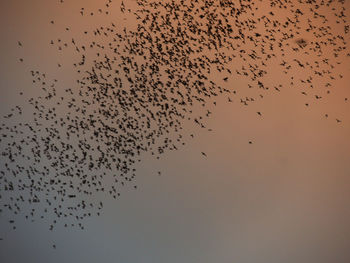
[265,180]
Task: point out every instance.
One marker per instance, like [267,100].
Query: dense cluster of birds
[135,90]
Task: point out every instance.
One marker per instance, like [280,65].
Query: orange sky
[284,198]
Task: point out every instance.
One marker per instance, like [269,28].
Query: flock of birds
[135,89]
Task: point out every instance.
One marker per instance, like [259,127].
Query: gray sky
[285,198]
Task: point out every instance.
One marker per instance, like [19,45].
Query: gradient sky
[285,198]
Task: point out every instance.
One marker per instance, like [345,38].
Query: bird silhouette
[136,88]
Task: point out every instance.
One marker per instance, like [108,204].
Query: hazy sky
[284,198]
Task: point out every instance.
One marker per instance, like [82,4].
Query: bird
[136,89]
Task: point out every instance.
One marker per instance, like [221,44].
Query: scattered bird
[136,88]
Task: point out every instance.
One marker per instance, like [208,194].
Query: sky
[283,198]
